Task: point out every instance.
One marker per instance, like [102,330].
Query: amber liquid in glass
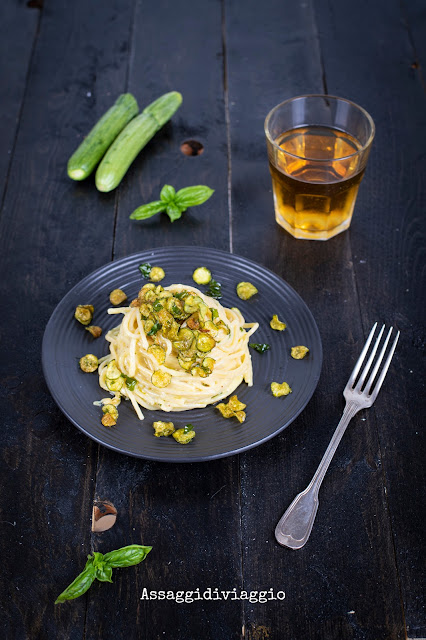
[315,183]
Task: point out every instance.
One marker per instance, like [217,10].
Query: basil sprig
[145,269]
[172,202]
[130,382]
[155,327]
[188,427]
[214,290]
[100,566]
[259,347]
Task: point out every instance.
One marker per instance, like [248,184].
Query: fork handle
[295,526]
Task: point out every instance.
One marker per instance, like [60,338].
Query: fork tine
[360,360]
[366,369]
[369,383]
[384,370]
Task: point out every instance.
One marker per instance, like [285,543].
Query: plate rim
[186,460]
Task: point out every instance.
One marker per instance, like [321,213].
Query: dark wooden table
[212,524]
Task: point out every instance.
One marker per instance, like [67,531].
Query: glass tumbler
[318,148]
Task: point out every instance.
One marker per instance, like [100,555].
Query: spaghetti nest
[176,349]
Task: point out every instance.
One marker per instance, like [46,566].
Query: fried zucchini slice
[183,437]
[208,364]
[110,410]
[108,420]
[185,339]
[172,333]
[166,319]
[163,428]
[277,324]
[150,296]
[211,328]
[225,410]
[185,364]
[192,303]
[148,326]
[149,286]
[113,378]
[145,309]
[235,404]
[193,322]
[205,342]
[222,326]
[161,379]
[112,371]
[246,290]
[233,409]
[158,353]
[299,352]
[165,294]
[204,311]
[175,307]
[88,363]
[198,370]
[279,390]
[95,331]
[117,296]
[114,385]
[84,313]
[202,275]
[156,274]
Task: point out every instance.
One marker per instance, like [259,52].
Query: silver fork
[295,526]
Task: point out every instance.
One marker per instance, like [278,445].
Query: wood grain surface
[211,525]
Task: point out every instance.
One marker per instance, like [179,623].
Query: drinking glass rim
[321,95]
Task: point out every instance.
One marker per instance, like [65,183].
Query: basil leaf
[130,382]
[157,306]
[145,269]
[147,210]
[104,573]
[156,327]
[167,194]
[192,196]
[259,347]
[214,290]
[181,295]
[188,427]
[78,586]
[97,559]
[126,556]
[174,211]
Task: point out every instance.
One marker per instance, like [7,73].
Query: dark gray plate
[65,341]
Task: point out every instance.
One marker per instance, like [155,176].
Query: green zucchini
[133,138]
[89,153]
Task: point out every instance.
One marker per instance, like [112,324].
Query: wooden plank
[18,31]
[268,63]
[52,232]
[388,240]
[190,514]
[414,16]
[187,58]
